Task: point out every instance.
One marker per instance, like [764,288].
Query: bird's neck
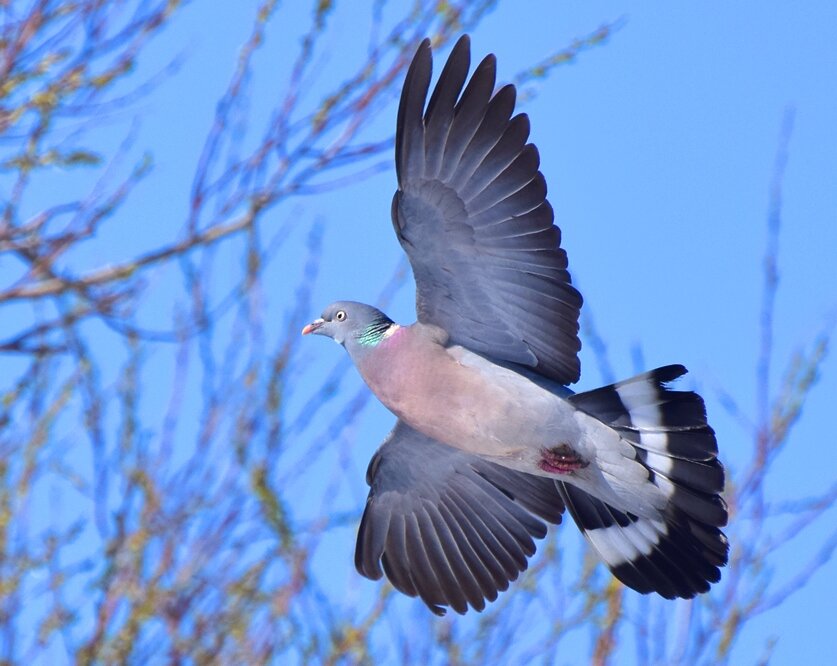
[386,365]
[373,341]
[377,332]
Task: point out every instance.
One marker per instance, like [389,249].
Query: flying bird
[489,443]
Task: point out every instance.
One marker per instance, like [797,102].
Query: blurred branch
[749,588]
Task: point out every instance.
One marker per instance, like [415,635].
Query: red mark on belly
[561,460]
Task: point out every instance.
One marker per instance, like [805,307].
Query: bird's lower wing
[447,526]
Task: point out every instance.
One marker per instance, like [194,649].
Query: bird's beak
[313,326]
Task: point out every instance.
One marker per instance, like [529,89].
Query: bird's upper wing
[472,215]
[447,526]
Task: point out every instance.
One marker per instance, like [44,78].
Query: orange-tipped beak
[313,326]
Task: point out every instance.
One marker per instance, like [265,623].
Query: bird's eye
[341,315]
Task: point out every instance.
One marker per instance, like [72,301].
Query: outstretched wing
[472,215]
[447,526]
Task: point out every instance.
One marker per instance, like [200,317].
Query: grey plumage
[480,211]
[490,444]
[474,519]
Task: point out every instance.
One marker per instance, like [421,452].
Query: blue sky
[658,149]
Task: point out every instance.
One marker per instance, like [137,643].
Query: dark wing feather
[448,526]
[472,215]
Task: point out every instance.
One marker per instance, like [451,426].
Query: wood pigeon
[490,443]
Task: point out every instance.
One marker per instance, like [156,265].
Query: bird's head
[353,325]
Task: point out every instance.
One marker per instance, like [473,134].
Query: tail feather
[678,554]
[646,555]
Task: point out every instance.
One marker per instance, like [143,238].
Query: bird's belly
[464,401]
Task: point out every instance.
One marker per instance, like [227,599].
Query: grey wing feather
[472,215]
[447,526]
